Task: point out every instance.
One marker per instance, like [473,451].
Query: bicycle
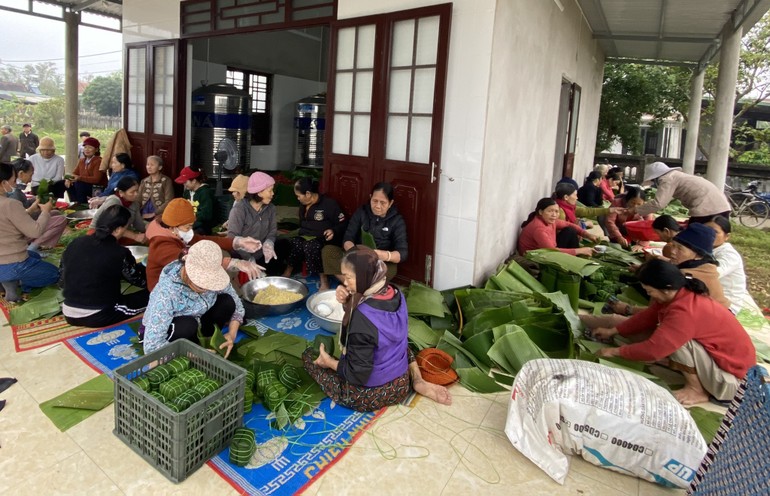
[749,207]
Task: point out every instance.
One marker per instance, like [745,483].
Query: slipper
[2,405]
[6,382]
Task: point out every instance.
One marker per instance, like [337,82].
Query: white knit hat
[657,169]
[203,265]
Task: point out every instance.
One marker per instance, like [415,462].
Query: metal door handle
[432,172]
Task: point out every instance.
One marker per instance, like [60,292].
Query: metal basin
[320,303]
[139,252]
[255,310]
[82,214]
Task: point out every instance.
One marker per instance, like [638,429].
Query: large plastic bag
[612,418]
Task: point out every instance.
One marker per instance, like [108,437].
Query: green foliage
[42,74]
[630,91]
[50,115]
[104,94]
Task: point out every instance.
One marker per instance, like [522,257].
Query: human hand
[328,234]
[247,243]
[268,251]
[35,206]
[620,308]
[623,242]
[45,207]
[608,352]
[342,294]
[229,340]
[589,224]
[604,333]
[249,267]
[96,201]
[137,236]
[586,251]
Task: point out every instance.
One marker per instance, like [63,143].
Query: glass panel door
[163,95]
[137,87]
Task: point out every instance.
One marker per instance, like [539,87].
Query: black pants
[568,238]
[308,251]
[706,218]
[79,192]
[57,189]
[128,306]
[186,327]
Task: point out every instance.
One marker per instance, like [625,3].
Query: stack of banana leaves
[589,283]
[492,333]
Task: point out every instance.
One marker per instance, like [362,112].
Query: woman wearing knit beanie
[172,234]
[87,174]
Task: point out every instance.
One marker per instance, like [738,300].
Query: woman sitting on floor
[201,196]
[375,365]
[616,221]
[121,166]
[544,229]
[566,197]
[125,194]
[590,194]
[192,292]
[18,265]
[666,227]
[379,218]
[731,274]
[700,337]
[92,270]
[87,174]
[172,234]
[56,223]
[155,190]
[321,222]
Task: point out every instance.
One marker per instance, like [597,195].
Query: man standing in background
[83,136]
[28,142]
[8,144]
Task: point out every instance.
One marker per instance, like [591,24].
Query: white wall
[148,20]
[535,45]
[470,50]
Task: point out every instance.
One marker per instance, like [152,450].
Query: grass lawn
[754,245]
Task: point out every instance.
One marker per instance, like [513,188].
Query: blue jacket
[113,182]
[173,298]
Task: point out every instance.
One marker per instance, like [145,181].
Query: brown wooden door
[386,107]
[574,113]
[155,98]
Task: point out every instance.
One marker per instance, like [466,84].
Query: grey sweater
[135,223]
[244,220]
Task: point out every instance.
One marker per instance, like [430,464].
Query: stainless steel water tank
[221,112]
[310,126]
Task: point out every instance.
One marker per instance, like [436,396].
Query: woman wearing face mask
[92,270]
[155,190]
[125,194]
[254,216]
[381,219]
[172,234]
[17,264]
[56,224]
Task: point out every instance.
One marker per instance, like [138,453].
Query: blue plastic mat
[105,350]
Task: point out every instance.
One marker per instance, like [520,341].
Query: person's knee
[183,328]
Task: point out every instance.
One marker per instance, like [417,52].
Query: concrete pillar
[71,21]
[693,123]
[719,152]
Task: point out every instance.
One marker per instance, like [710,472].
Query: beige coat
[699,195]
[118,144]
[16,226]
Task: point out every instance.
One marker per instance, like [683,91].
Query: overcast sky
[27,39]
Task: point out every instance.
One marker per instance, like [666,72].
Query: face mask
[186,236]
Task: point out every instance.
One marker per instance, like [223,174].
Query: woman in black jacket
[92,269]
[321,222]
[379,219]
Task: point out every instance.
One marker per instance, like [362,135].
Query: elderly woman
[380,219]
[566,197]
[605,184]
[698,336]
[321,222]
[254,217]
[48,165]
[544,229]
[172,235]
[200,195]
[56,224]
[376,365]
[155,190]
[731,274]
[193,293]
[87,174]
[92,270]
[616,221]
[18,265]
[125,194]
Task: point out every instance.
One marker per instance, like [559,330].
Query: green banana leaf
[422,335]
[708,422]
[561,301]
[479,345]
[616,255]
[473,379]
[487,320]
[548,276]
[453,346]
[367,239]
[633,297]
[72,407]
[525,277]
[471,302]
[506,281]
[503,378]
[42,191]
[564,261]
[217,340]
[43,305]
[513,349]
[569,284]
[490,284]
[554,343]
[275,341]
[424,300]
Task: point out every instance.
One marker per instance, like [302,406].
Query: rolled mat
[436,366]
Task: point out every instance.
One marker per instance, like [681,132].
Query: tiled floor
[428,449]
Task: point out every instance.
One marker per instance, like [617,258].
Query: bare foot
[323,287]
[288,272]
[689,396]
[437,393]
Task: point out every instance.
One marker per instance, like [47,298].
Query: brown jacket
[91,173]
[118,144]
[710,276]
[699,195]
[16,226]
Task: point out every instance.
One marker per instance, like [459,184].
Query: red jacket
[538,234]
[165,247]
[690,316]
[607,192]
[615,220]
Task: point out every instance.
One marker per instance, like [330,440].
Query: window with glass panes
[258,86]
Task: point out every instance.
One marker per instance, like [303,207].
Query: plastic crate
[641,230]
[177,444]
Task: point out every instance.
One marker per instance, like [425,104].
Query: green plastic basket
[177,444]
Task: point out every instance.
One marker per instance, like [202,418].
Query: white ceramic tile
[75,475]
[466,240]
[470,199]
[450,198]
[447,230]
[451,272]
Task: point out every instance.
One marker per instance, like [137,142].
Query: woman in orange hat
[376,367]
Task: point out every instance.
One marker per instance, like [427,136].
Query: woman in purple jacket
[376,367]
